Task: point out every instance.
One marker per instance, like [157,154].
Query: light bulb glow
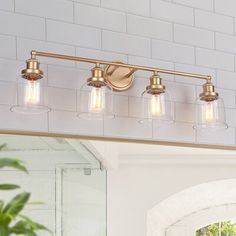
[211,112]
[32,93]
[157,105]
[97,102]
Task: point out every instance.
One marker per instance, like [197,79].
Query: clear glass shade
[95,102]
[31,97]
[210,114]
[157,107]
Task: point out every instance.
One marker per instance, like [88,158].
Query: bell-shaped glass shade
[210,114]
[95,103]
[157,107]
[31,97]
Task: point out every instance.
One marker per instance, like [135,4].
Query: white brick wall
[73,34]
[172,12]
[7,46]
[226,7]
[149,27]
[22,25]
[62,10]
[7,5]
[172,52]
[127,44]
[97,17]
[131,6]
[195,36]
[225,42]
[214,22]
[215,59]
[204,4]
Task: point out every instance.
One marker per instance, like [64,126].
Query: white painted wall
[197,36]
[136,188]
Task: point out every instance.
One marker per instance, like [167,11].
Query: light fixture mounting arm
[125,76]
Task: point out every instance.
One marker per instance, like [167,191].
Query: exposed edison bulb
[32,92]
[157,105]
[97,101]
[211,112]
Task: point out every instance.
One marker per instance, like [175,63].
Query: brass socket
[209,94]
[32,71]
[155,86]
[97,78]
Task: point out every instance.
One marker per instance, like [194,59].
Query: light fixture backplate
[119,78]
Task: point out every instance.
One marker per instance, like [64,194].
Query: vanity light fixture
[156,102]
[96,95]
[210,109]
[30,94]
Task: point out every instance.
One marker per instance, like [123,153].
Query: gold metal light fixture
[96,95]
[31,95]
[210,110]
[156,102]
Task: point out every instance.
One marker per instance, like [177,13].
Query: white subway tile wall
[7,5]
[187,35]
[172,12]
[62,10]
[193,36]
[98,17]
[203,4]
[214,22]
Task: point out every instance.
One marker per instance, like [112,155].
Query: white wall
[134,189]
[196,36]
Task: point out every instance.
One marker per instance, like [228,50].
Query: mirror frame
[116,139]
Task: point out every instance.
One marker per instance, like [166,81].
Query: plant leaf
[15,206]
[5,220]
[8,186]
[22,227]
[1,205]
[13,163]
[4,231]
[34,225]
[2,146]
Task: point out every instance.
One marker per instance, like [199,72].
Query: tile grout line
[214,6]
[16,47]
[46,36]
[73,12]
[150,8]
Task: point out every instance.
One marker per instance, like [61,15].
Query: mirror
[91,187]
[66,183]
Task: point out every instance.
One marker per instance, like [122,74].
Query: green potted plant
[12,222]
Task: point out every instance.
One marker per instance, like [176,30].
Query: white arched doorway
[191,223]
[165,218]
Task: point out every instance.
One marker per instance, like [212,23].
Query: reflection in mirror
[218,229]
[160,190]
[102,188]
[65,181]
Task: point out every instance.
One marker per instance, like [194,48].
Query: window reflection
[225,228]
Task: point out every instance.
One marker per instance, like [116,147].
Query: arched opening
[194,208]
